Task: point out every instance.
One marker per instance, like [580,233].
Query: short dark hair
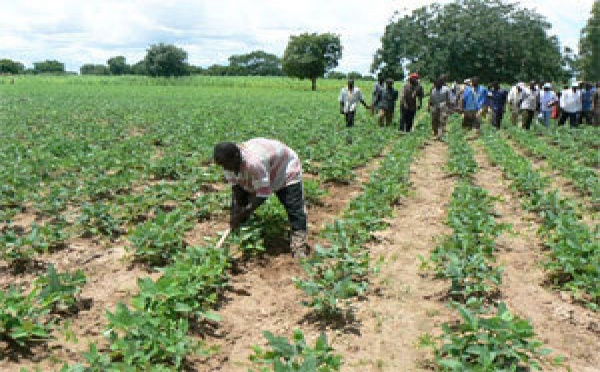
[225,151]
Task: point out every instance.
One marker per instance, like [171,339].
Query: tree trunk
[314,83]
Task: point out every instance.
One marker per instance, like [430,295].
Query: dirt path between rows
[567,328]
[404,304]
[263,295]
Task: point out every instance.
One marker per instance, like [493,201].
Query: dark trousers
[497,118]
[350,118]
[528,118]
[407,119]
[588,116]
[572,116]
[292,198]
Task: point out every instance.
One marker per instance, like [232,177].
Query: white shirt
[514,98]
[571,101]
[530,99]
[350,99]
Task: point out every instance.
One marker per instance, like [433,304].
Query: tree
[589,46]
[492,39]
[337,75]
[257,63]
[91,69]
[311,55]
[165,60]
[139,68]
[118,65]
[8,66]
[48,66]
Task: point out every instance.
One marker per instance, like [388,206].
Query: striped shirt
[267,166]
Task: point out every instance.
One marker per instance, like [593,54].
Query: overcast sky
[91,31]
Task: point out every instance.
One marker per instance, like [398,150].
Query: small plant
[21,320]
[59,291]
[295,355]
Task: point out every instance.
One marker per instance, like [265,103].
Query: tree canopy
[48,66]
[491,39]
[118,65]
[8,66]
[92,69]
[589,46]
[311,55]
[257,63]
[165,60]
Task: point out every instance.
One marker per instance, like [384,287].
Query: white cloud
[91,31]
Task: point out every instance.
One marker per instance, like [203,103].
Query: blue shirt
[474,99]
[496,99]
[586,100]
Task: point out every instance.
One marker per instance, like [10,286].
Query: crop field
[476,253]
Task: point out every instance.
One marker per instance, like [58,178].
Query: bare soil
[565,327]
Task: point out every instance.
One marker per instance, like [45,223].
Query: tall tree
[492,39]
[311,55]
[8,66]
[589,46]
[51,66]
[166,60]
[118,65]
[256,63]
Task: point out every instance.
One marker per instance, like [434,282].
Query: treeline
[493,39]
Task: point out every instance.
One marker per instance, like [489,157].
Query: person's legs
[546,118]
[527,119]
[468,118]
[389,116]
[589,117]
[442,125]
[381,116]
[563,117]
[410,120]
[435,121]
[573,120]
[495,118]
[239,199]
[292,198]
[403,118]
[350,119]
[514,117]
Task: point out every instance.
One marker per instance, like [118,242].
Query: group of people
[260,167]
[578,103]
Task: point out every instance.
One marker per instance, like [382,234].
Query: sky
[91,31]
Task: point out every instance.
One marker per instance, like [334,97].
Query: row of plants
[574,254]
[487,336]
[30,316]
[581,144]
[584,179]
[339,272]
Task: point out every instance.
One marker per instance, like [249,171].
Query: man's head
[547,87]
[389,83]
[588,86]
[495,85]
[532,85]
[439,83]
[413,78]
[228,156]
[350,83]
[598,84]
[475,81]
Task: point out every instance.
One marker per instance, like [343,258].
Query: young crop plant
[156,241]
[488,343]
[21,318]
[295,355]
[98,219]
[462,161]
[59,291]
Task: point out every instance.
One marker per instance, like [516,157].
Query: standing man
[256,169]
[586,104]
[378,87]
[387,104]
[349,97]
[529,105]
[515,97]
[440,101]
[473,103]
[548,100]
[596,104]
[411,92]
[570,104]
[497,102]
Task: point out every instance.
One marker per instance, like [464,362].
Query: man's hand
[239,216]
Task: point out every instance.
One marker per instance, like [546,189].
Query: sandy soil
[567,328]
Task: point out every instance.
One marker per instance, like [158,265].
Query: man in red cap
[408,104]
